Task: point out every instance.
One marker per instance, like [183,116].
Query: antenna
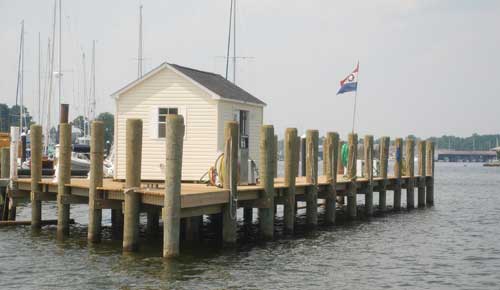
[139,57]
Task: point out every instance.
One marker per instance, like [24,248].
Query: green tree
[79,122]
[4,118]
[109,126]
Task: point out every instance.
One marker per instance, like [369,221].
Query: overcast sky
[427,67]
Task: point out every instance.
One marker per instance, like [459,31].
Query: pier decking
[173,200]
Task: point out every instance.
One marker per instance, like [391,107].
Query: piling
[36,175]
[429,170]
[174,137]
[312,139]
[397,173]
[248,216]
[266,211]
[230,178]
[64,113]
[410,172]
[384,157]
[14,152]
[192,228]
[291,167]
[330,155]
[275,157]
[303,156]
[153,222]
[421,173]
[131,209]
[96,176]
[4,174]
[63,178]
[368,152]
[351,175]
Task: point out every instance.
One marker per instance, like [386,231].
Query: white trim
[116,95]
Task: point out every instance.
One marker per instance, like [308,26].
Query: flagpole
[355,101]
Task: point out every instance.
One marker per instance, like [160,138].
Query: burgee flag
[350,83]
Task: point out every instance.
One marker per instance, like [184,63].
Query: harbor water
[453,245]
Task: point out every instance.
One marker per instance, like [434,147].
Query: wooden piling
[248,216]
[421,173]
[266,211]
[5,174]
[174,137]
[192,228]
[303,156]
[351,175]
[95,180]
[368,152]
[291,167]
[276,156]
[12,188]
[131,210]
[330,155]
[152,222]
[384,157]
[229,224]
[397,173]
[36,175]
[312,139]
[64,113]
[410,172]
[429,170]
[63,178]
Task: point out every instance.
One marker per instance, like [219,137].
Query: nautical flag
[350,83]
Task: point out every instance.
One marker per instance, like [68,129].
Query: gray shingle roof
[219,85]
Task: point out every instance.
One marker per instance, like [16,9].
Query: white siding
[168,89]
[226,111]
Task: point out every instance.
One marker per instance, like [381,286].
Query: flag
[350,82]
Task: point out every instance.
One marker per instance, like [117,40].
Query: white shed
[206,100]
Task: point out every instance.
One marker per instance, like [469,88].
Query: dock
[173,200]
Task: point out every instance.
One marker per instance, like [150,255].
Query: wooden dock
[174,200]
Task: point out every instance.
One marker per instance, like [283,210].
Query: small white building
[206,100]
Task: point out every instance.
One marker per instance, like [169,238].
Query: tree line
[9,116]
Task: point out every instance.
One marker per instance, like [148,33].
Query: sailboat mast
[39,77]
[234,43]
[21,80]
[92,108]
[60,53]
[139,55]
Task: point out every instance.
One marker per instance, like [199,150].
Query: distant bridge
[465,156]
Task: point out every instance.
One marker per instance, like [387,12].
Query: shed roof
[213,82]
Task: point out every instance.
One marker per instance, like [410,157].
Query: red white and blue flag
[350,82]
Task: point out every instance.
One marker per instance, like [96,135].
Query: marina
[173,200]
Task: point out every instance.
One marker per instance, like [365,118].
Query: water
[454,245]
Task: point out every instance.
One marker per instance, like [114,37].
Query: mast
[51,75]
[92,105]
[60,53]
[21,80]
[19,93]
[229,38]
[234,43]
[85,96]
[39,77]
[139,57]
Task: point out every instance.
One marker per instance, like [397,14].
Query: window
[162,119]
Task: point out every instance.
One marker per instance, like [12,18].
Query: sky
[427,67]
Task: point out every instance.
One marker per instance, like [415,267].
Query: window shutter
[153,126]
